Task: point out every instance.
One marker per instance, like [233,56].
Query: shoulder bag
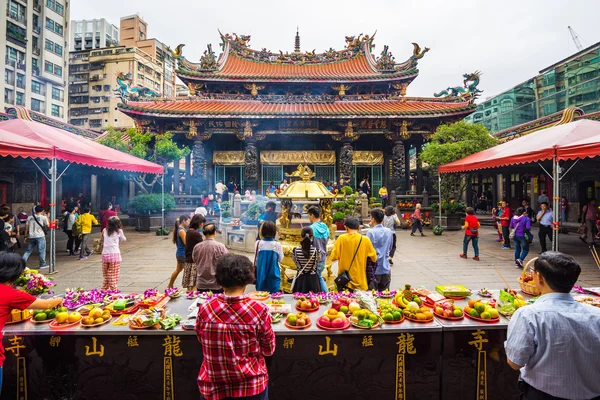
[302,270]
[45,228]
[344,278]
[255,258]
[513,231]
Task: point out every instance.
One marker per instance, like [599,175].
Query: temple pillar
[419,176]
[188,174]
[131,190]
[94,191]
[346,166]
[176,176]
[398,180]
[407,165]
[59,195]
[199,174]
[251,162]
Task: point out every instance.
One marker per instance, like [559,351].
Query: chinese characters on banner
[373,124]
[16,345]
[477,342]
[367,341]
[172,348]
[223,124]
[405,346]
[94,350]
[132,341]
[328,349]
[287,124]
[288,343]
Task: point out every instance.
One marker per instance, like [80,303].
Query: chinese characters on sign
[328,349]
[223,124]
[288,343]
[298,124]
[54,341]
[168,392]
[94,350]
[373,124]
[405,346]
[171,346]
[367,341]
[16,344]
[478,342]
[132,341]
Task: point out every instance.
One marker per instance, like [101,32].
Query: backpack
[76,230]
[65,221]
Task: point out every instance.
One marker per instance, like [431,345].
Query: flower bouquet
[34,283]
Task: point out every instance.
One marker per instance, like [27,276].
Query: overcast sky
[509,40]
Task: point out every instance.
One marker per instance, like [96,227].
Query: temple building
[253,115]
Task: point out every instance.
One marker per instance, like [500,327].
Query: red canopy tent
[572,141]
[23,137]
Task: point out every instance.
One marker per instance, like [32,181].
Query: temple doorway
[227,173]
[374,173]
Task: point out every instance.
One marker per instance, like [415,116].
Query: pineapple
[407,293]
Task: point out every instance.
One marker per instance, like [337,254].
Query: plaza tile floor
[148,261]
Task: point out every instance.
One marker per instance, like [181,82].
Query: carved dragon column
[251,165]
[346,166]
[199,169]
[398,181]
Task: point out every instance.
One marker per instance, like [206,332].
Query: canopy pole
[162,200]
[52,265]
[555,202]
[440,196]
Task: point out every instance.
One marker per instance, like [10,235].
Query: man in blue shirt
[269,215]
[381,237]
[545,218]
[554,342]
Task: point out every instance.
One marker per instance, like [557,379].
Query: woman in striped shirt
[306,256]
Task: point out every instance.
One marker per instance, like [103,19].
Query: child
[306,256]
[496,214]
[471,228]
[268,255]
[111,254]
[11,267]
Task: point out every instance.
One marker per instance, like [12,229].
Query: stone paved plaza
[148,261]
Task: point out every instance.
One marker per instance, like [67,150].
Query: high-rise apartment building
[93,80]
[93,74]
[573,81]
[92,34]
[35,49]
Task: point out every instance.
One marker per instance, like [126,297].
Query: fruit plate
[130,310]
[94,325]
[375,325]
[325,328]
[450,318]
[18,322]
[395,322]
[456,297]
[307,310]
[56,325]
[298,327]
[46,321]
[419,321]
[259,296]
[143,327]
[487,321]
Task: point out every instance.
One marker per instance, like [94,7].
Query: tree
[453,142]
[156,148]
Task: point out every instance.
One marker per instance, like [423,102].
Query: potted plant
[255,209]
[147,208]
[453,213]
[226,211]
[338,218]
[346,190]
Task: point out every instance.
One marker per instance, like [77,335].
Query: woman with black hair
[306,256]
[267,256]
[11,267]
[192,238]
[112,235]
[236,335]
[179,238]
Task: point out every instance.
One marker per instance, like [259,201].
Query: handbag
[99,243]
[45,228]
[344,278]
[513,231]
[528,236]
[302,271]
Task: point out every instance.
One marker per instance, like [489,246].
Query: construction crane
[575,38]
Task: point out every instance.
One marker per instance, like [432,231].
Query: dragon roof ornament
[468,91]
[126,92]
[355,46]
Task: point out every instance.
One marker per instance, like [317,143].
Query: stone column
[346,166]
[237,205]
[419,176]
[407,164]
[94,191]
[176,176]
[199,174]
[251,165]
[398,180]
[131,190]
[188,174]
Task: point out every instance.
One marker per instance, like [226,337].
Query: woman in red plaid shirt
[236,334]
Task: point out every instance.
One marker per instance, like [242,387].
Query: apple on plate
[439,310]
[336,304]
[338,323]
[324,321]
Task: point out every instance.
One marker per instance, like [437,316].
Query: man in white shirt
[201,210]
[219,188]
[35,237]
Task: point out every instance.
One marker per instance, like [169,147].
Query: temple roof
[354,63]
[210,108]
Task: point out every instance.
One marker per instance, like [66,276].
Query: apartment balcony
[36,51]
[22,66]
[36,71]
[16,17]
[21,84]
[95,78]
[37,29]
[78,78]
[10,62]
[10,80]
[37,7]
[96,66]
